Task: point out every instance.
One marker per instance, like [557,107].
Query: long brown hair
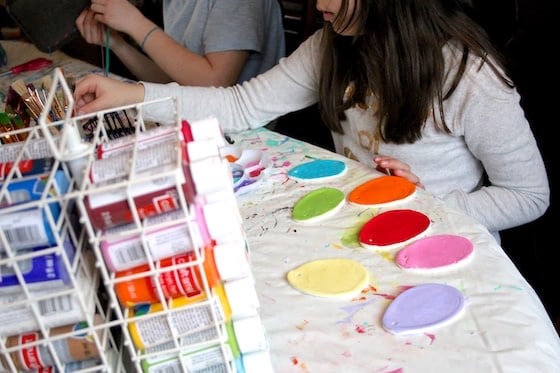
[397,56]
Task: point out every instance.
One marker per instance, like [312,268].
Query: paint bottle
[27,226]
[20,312]
[231,300]
[257,362]
[223,262]
[125,247]
[221,217]
[176,277]
[76,153]
[250,334]
[212,359]
[77,347]
[40,272]
[215,358]
[211,175]
[74,366]
[228,261]
[192,322]
[149,157]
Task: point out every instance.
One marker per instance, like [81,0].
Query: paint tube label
[175,279]
[185,318]
[41,272]
[214,359]
[76,347]
[152,196]
[214,333]
[26,226]
[26,229]
[49,308]
[35,148]
[141,140]
[150,156]
[122,250]
[27,167]
[73,366]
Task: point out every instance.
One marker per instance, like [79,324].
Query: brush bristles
[46,82]
[32,101]
[20,87]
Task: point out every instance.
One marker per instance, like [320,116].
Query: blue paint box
[25,225]
[40,272]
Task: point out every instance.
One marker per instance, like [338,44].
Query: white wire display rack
[172,334]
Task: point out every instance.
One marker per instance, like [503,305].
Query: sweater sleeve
[289,86]
[496,131]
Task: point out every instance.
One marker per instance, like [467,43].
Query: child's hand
[392,166]
[96,92]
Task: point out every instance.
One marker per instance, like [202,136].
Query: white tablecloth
[504,326]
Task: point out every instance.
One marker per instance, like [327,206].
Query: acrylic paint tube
[27,167]
[211,175]
[213,359]
[153,195]
[185,317]
[221,217]
[203,129]
[257,362]
[237,299]
[175,279]
[123,251]
[252,343]
[40,272]
[74,366]
[201,149]
[152,156]
[228,261]
[76,347]
[221,357]
[141,140]
[250,334]
[35,148]
[253,356]
[26,227]
[76,153]
[52,309]
[223,262]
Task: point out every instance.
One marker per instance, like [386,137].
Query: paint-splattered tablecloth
[503,328]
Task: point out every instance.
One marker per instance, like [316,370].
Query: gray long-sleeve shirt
[489,132]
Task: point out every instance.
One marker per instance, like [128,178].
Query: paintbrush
[33,103]
[21,89]
[58,109]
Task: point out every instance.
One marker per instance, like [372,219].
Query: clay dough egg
[339,278]
[318,170]
[318,204]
